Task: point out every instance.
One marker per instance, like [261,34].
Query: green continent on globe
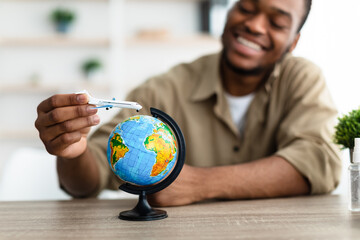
[118,149]
[164,148]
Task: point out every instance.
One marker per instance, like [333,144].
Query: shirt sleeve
[306,132]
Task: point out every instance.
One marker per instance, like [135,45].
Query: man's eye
[246,9]
[279,22]
[276,25]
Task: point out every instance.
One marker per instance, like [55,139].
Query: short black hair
[306,13]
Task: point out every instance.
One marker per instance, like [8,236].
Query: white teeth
[249,44]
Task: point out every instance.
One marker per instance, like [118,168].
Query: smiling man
[258,121]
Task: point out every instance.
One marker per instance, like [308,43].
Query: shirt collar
[209,83]
[275,73]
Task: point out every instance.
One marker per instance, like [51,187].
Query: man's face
[259,32]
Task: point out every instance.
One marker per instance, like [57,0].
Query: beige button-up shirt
[292,115]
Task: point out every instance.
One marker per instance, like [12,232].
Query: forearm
[268,177]
[79,176]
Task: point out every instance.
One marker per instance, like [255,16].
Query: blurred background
[110,46]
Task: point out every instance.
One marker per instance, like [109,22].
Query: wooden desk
[318,217]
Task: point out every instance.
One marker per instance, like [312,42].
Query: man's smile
[246,44]
[249,44]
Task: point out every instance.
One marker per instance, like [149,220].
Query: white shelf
[194,40]
[51,88]
[64,41]
[54,41]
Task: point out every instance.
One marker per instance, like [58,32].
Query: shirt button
[236,148]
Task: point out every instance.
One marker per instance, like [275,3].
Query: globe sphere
[142,150]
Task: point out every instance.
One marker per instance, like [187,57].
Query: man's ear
[294,43]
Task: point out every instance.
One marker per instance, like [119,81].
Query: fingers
[82,125]
[61,100]
[60,115]
[63,122]
[59,144]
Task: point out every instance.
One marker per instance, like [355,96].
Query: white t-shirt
[238,108]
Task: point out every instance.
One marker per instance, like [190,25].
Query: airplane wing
[105,106]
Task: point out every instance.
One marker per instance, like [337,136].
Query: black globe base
[143,211]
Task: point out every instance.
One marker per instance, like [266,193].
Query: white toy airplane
[108,104]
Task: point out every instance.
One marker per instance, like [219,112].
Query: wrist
[206,184]
[79,176]
[216,185]
[71,159]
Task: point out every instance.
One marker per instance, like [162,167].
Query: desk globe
[147,153]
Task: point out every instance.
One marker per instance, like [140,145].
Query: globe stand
[143,211]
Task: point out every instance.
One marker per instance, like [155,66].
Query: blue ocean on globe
[142,150]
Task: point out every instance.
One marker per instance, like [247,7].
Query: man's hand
[63,122]
[268,177]
[186,189]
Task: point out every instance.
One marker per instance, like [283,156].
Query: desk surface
[317,217]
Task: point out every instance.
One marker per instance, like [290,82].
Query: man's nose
[257,24]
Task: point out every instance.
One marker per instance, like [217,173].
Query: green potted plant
[91,68]
[347,129]
[62,18]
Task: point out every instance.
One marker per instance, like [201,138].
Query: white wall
[30,19]
[178,17]
[331,39]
